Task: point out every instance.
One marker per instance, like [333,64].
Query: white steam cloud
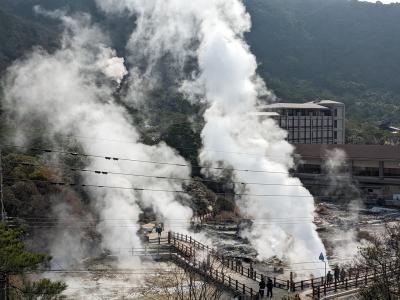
[345,193]
[71,91]
[211,32]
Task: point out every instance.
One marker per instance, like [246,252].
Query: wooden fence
[187,249]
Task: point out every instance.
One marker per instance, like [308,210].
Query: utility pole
[3,213]
[3,276]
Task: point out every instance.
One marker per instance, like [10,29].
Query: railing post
[302,285]
[169,237]
[229,281]
[185,237]
[244,289]
[241,267]
[236,285]
[292,288]
[190,239]
[335,285]
[319,292]
[325,289]
[346,283]
[312,282]
[255,275]
[251,293]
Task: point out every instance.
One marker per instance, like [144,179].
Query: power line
[122,219]
[174,224]
[69,136]
[102,172]
[111,158]
[61,183]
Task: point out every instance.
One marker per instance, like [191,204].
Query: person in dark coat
[159,229]
[336,273]
[262,287]
[270,285]
[329,278]
[342,275]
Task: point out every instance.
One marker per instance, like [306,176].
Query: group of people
[269,285]
[338,274]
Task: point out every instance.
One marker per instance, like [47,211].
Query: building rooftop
[329,102]
[355,152]
[264,113]
[307,105]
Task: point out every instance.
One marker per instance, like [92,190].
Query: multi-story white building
[317,122]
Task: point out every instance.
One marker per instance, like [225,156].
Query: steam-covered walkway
[241,281]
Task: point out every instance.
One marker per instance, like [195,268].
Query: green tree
[45,289]
[16,260]
[383,255]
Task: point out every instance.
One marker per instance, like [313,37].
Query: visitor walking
[329,278]
[342,275]
[336,273]
[262,287]
[270,285]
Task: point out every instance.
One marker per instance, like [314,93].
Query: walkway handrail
[358,280]
[219,276]
[249,272]
[230,263]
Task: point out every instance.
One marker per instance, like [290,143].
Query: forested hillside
[307,49]
[346,50]
[17,35]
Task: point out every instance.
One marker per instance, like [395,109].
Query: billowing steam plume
[225,80]
[71,90]
[343,191]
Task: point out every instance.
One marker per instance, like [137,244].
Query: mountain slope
[327,41]
[17,36]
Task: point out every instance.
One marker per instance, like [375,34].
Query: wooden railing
[202,218]
[229,263]
[357,277]
[186,246]
[206,268]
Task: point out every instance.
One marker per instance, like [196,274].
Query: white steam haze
[341,186]
[71,90]
[212,32]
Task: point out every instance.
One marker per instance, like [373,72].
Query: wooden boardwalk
[356,278]
[240,281]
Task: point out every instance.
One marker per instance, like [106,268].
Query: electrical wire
[106,172]
[61,183]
